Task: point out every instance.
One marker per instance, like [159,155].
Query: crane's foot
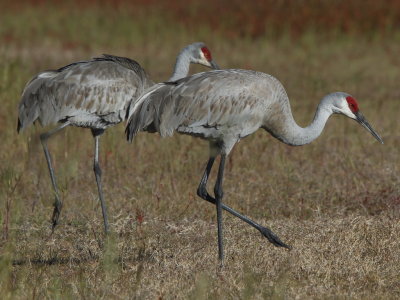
[273,238]
[54,219]
[56,214]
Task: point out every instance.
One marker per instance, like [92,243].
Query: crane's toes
[54,221]
[273,238]
[54,218]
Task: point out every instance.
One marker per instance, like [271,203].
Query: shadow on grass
[52,261]
[77,261]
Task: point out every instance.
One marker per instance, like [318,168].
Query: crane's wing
[207,99]
[102,87]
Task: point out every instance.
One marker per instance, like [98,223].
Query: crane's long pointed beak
[361,119]
[214,65]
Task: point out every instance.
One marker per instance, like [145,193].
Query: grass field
[336,201]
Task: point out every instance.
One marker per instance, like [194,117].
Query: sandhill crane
[93,94]
[223,107]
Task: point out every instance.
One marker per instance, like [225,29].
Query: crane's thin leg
[57,202]
[97,173]
[219,194]
[265,231]
[202,189]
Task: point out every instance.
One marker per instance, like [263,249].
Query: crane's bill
[361,119]
[214,65]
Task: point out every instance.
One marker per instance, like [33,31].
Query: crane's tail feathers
[133,127]
[146,94]
[30,106]
[142,113]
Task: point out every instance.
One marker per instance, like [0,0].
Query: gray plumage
[224,106]
[93,94]
[196,53]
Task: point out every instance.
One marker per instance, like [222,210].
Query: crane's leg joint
[202,192]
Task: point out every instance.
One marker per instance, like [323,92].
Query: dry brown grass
[336,201]
[354,256]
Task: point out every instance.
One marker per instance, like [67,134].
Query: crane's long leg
[57,202]
[265,231]
[97,173]
[219,194]
[202,189]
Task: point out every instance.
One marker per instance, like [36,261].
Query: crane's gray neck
[181,65]
[302,136]
[295,135]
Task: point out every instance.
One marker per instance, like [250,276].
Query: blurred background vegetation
[227,18]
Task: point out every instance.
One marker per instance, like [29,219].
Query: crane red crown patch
[207,53]
[352,104]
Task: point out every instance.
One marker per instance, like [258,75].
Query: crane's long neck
[181,66]
[291,133]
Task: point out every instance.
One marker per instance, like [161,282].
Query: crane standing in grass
[224,106]
[93,94]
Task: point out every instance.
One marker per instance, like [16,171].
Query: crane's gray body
[223,106]
[94,94]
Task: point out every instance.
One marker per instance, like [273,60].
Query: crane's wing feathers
[98,90]
[127,63]
[206,100]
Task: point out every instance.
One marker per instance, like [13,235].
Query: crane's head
[347,105]
[200,54]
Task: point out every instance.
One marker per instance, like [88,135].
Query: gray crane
[93,94]
[223,107]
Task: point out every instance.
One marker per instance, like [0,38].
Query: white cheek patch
[204,59]
[347,111]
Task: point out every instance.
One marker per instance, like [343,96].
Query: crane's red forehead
[207,53]
[352,104]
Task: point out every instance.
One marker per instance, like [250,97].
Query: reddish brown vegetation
[236,18]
